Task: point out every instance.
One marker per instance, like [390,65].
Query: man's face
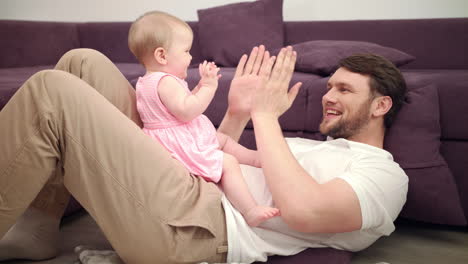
[346,105]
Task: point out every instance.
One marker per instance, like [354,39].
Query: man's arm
[305,205]
[243,85]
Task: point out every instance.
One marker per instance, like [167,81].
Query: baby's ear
[160,55]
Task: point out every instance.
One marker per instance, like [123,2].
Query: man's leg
[118,174]
[35,234]
[100,73]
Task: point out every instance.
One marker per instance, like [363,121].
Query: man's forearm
[233,125]
[305,205]
[291,186]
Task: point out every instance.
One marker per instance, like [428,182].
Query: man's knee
[47,76]
[82,53]
[74,59]
[52,81]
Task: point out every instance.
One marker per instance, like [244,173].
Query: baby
[172,114]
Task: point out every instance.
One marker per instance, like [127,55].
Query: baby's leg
[243,154]
[238,193]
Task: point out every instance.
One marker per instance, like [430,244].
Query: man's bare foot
[259,214]
[34,236]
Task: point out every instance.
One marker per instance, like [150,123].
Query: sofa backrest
[30,43]
[110,38]
[436,43]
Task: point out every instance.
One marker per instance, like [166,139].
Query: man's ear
[160,55]
[382,105]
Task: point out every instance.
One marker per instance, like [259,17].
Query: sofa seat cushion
[131,71]
[11,80]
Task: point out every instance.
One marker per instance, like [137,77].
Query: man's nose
[330,96]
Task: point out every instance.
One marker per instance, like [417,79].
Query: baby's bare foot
[259,214]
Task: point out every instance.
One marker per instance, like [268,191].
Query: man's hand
[271,97]
[241,91]
[245,80]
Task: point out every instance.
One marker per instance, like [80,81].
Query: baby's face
[178,54]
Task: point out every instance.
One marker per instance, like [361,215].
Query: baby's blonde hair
[151,31]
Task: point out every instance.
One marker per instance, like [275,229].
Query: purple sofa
[429,138]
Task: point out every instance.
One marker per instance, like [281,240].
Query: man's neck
[373,136]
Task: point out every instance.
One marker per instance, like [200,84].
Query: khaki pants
[79,133]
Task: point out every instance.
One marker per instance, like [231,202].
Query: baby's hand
[208,74]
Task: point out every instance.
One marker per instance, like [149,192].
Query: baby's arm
[242,154]
[188,106]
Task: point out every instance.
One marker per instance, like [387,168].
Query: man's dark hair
[385,79]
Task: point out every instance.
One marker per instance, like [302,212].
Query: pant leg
[95,69]
[145,202]
[100,73]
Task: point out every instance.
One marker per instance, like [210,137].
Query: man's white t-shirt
[379,182]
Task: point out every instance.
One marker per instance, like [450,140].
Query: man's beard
[346,128]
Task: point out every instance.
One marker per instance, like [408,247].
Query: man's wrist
[233,124]
[237,117]
[264,116]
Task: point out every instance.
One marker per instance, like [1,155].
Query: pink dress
[193,143]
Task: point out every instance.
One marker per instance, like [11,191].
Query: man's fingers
[260,59]
[251,61]
[288,68]
[265,69]
[292,94]
[276,72]
[240,66]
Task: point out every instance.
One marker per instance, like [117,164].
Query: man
[57,129]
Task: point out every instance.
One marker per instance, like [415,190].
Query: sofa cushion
[414,141]
[437,43]
[131,71]
[322,56]
[453,85]
[226,32]
[11,80]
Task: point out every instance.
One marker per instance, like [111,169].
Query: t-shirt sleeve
[381,187]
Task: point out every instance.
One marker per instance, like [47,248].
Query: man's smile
[331,113]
